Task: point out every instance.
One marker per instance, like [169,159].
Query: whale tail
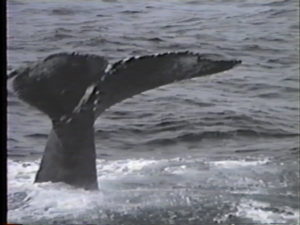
[69,154]
[73,90]
[135,75]
[55,86]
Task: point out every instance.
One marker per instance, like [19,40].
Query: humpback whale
[73,89]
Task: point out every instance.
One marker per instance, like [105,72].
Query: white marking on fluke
[69,120]
[126,59]
[107,69]
[84,98]
[62,118]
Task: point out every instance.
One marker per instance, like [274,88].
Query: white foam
[129,183]
[112,169]
[177,170]
[20,174]
[44,200]
[231,164]
[47,200]
[257,212]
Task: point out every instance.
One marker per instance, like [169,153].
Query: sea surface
[222,149]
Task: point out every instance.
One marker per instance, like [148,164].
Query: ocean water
[222,149]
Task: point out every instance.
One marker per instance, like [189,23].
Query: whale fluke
[74,89]
[55,84]
[135,75]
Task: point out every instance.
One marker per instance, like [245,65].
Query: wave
[37,135]
[62,11]
[217,135]
[132,11]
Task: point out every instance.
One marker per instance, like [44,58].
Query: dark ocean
[222,149]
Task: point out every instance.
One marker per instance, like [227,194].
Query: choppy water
[220,149]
